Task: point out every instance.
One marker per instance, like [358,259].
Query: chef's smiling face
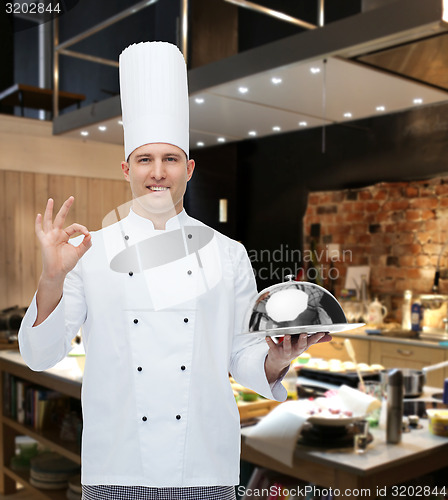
[158,174]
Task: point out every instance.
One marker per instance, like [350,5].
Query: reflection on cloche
[295,307]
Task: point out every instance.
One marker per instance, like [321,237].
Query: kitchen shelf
[23,478]
[27,96]
[48,438]
[56,380]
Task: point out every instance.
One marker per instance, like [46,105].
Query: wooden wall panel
[118,191]
[3,237]
[81,204]
[12,241]
[22,196]
[108,198]
[95,202]
[60,187]
[40,198]
[26,236]
[214,31]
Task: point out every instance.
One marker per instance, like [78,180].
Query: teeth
[157,188]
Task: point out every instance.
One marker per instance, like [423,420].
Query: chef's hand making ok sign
[58,255]
[280,355]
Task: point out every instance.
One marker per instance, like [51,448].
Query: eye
[171,158]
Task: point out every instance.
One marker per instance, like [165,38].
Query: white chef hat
[154,96]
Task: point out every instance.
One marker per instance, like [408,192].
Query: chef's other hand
[58,255]
[280,355]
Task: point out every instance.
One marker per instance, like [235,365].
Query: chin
[155,208]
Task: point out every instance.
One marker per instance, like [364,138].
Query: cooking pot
[295,307]
[413,380]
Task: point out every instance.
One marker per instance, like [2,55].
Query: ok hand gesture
[58,255]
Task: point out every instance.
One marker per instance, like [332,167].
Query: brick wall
[398,229]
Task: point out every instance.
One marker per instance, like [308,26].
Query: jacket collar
[143,224]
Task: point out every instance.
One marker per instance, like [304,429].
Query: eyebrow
[145,155]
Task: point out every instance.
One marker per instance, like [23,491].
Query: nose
[158,171]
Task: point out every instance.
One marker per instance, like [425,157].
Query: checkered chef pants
[112,492]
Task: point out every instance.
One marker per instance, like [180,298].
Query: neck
[159,219]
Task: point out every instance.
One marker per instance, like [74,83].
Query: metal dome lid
[295,307]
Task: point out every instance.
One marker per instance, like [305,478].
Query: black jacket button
[144,419]
[189,272]
[135,321]
[178,417]
[131,273]
[190,236]
[182,367]
[126,237]
[185,320]
[139,368]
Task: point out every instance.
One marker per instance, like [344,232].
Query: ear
[125,170]
[190,168]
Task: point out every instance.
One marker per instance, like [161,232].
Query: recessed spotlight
[276,128]
[418,100]
[243,90]
[221,139]
[84,133]
[380,108]
[275,80]
[199,100]
[347,115]
[200,144]
[252,133]
[315,70]
[120,122]
[102,128]
[303,124]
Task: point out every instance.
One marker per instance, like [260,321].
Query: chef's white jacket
[158,409]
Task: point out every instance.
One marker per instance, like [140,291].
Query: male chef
[161,300]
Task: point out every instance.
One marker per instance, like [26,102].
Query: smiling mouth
[157,188]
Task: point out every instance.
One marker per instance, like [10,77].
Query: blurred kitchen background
[319,130]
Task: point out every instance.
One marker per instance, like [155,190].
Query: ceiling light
[347,115]
[200,144]
[418,100]
[276,128]
[243,90]
[303,124]
[380,108]
[102,128]
[253,133]
[276,80]
[120,122]
[84,133]
[315,70]
[221,139]
[199,100]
